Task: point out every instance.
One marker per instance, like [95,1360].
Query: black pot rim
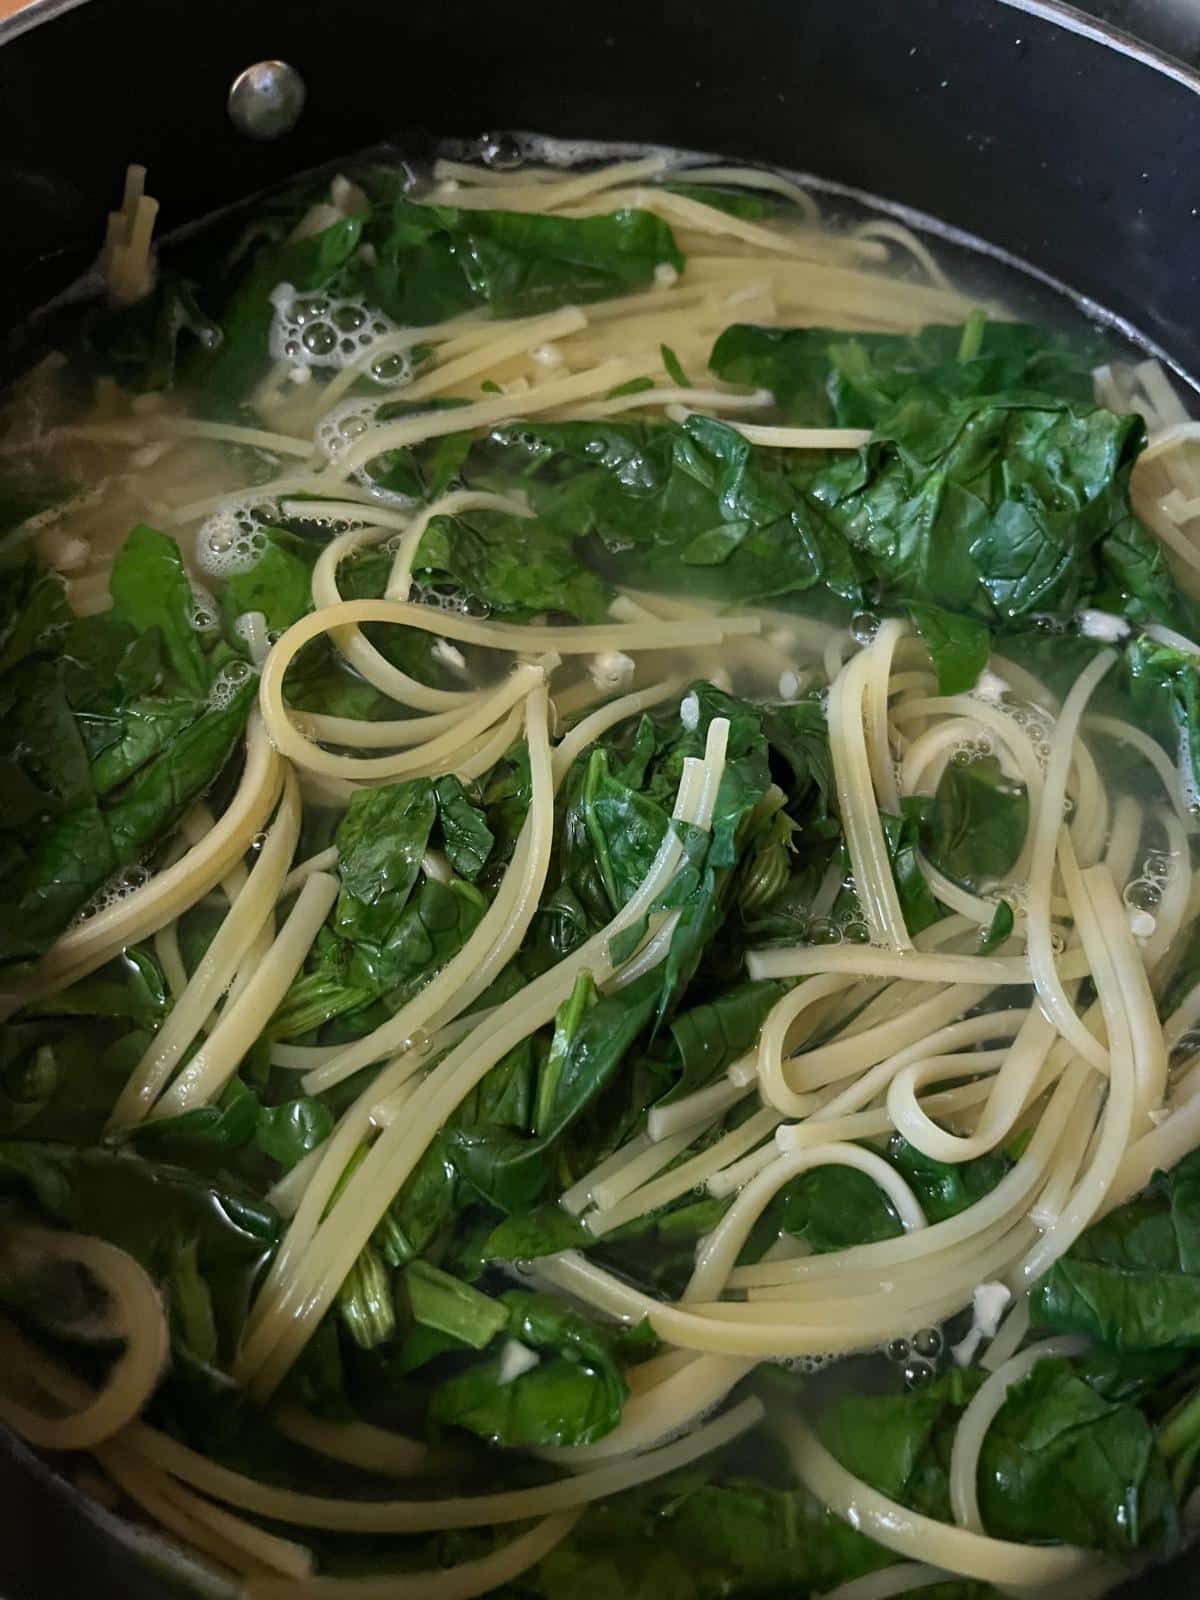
[41,13]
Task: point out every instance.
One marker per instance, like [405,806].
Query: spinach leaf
[544,1231]
[995,508]
[143,345]
[287,1132]
[710,1036]
[510,1167]
[443,1302]
[208,1135]
[380,843]
[960,647]
[977,825]
[433,262]
[33,603]
[467,839]
[279,584]
[52,866]
[131,986]
[611,834]
[744,203]
[427,1200]
[158,795]
[108,732]
[430,931]
[706,1535]
[323,991]
[946,1188]
[673,367]
[832,1208]
[517,566]
[668,506]
[221,375]
[821,377]
[573,1395]
[1061,1462]
[146,728]
[392,928]
[151,589]
[150,1209]
[900,1443]
[558,1402]
[1164,684]
[1132,1280]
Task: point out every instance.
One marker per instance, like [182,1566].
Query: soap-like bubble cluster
[1017,895]
[119,887]
[226,684]
[974,749]
[231,541]
[1037,727]
[807,1366]
[345,424]
[463,605]
[318,331]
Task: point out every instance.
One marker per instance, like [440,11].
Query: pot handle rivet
[266,100]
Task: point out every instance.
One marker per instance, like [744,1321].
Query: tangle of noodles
[618,927]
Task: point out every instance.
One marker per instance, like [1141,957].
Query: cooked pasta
[630,838]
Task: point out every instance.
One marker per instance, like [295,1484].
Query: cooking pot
[1052,140]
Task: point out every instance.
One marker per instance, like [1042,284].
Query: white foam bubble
[345,423]
[226,684]
[230,540]
[119,887]
[327,333]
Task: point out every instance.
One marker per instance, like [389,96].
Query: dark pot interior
[1021,124]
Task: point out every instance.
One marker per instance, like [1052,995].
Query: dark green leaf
[289,1131]
[151,589]
[820,376]
[442,1302]
[433,262]
[959,647]
[1061,1463]
[1132,1280]
[543,1231]
[673,368]
[279,584]
[466,837]
[978,824]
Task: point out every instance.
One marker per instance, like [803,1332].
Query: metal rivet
[266,100]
